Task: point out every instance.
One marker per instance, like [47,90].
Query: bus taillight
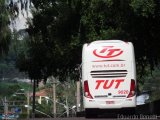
[132,89]
[86,90]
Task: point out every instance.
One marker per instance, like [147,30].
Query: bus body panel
[108,70]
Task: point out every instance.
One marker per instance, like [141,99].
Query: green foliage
[151,83]
[8,63]
[60,28]
[8,88]
[65,94]
[9,11]
[143,7]
[5,33]
[110,33]
[52,39]
[45,108]
[13,88]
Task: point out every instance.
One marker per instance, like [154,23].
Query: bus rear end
[108,75]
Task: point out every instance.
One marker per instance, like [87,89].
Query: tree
[5,33]
[130,20]
[48,40]
[60,28]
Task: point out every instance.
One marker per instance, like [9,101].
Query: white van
[108,76]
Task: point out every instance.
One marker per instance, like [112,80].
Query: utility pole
[54,96]
[5,106]
[28,105]
[67,107]
[33,100]
[78,96]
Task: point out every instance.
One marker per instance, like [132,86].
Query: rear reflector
[132,89]
[86,90]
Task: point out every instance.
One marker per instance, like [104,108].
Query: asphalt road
[118,117]
[83,118]
[72,118]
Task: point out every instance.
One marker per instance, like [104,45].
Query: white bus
[108,76]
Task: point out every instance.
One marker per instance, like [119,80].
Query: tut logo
[106,84]
[107,52]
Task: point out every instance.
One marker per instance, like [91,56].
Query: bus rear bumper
[110,103]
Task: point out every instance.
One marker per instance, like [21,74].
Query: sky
[21,21]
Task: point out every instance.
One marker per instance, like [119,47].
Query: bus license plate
[110,102]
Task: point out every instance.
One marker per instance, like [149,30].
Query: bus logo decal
[107,52]
[106,84]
